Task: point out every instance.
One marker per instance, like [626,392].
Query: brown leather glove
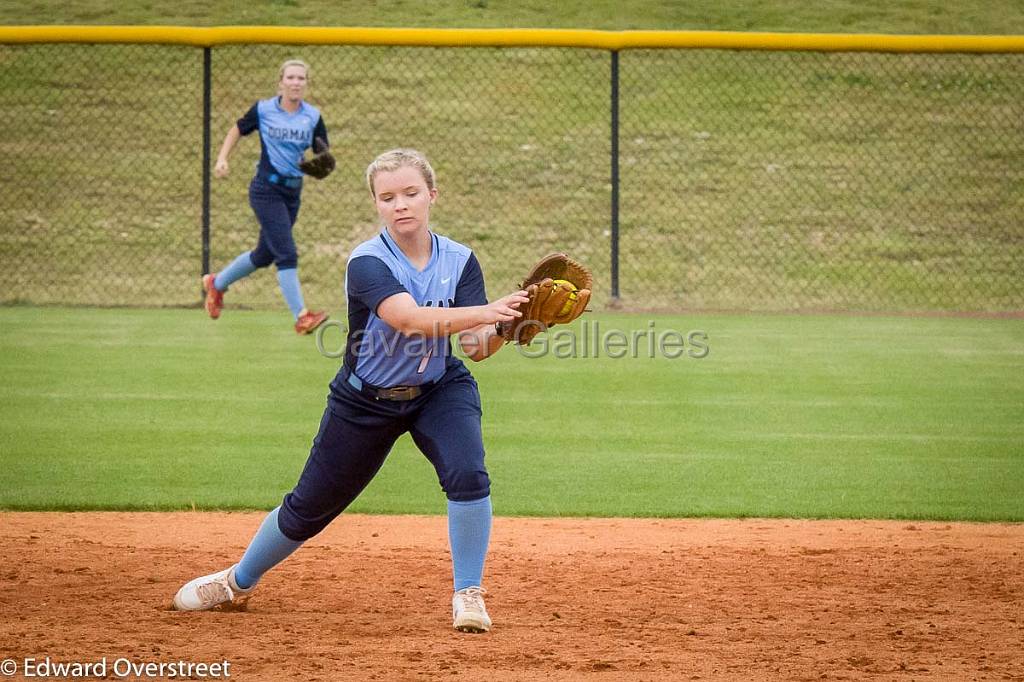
[559,290]
[321,164]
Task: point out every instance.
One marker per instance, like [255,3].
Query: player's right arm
[230,140]
[245,125]
[401,312]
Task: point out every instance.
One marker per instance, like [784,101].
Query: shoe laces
[214,592]
[471,599]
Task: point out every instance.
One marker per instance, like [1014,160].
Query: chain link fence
[100,174]
[823,181]
[748,180]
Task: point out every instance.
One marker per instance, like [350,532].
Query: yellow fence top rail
[472,37]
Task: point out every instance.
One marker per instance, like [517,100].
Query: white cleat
[210,591]
[469,611]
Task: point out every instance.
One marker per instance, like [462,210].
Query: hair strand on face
[398,158]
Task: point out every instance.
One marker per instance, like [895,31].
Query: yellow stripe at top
[489,37]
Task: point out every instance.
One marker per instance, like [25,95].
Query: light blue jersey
[284,136]
[377,353]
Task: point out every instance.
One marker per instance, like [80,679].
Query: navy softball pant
[357,433]
[276,208]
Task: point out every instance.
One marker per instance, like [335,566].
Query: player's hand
[221,168]
[505,309]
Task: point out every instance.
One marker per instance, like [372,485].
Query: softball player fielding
[287,125]
[408,290]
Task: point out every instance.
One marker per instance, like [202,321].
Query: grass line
[787,416]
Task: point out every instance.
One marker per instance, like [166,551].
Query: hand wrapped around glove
[559,290]
[321,163]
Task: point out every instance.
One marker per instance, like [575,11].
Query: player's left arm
[320,131]
[480,343]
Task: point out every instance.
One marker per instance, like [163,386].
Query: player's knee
[287,262]
[299,526]
[260,260]
[466,486]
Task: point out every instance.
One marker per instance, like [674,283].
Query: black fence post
[615,175]
[207,68]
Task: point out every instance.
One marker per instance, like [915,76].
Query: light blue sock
[469,531]
[268,548]
[289,281]
[239,268]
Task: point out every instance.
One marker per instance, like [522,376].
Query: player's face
[403,200]
[293,83]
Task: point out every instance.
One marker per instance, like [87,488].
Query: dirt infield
[570,598]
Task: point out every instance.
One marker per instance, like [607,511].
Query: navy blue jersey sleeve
[249,122]
[321,131]
[370,282]
[470,289]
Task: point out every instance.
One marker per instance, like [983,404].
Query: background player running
[408,290]
[288,125]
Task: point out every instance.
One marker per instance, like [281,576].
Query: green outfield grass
[824,416]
